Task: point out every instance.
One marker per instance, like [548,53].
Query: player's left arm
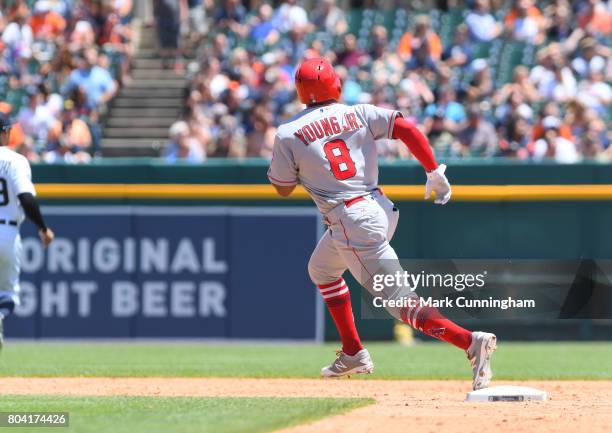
[32,210]
[21,181]
[418,144]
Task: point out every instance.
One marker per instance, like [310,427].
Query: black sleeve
[32,210]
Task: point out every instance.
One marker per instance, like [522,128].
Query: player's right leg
[325,269]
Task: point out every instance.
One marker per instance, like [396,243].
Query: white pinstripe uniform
[331,151]
[15,179]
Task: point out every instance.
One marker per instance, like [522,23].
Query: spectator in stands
[95,81]
[83,35]
[294,45]
[477,137]
[228,139]
[481,24]
[114,35]
[559,17]
[436,128]
[291,16]
[260,138]
[379,42]
[46,23]
[42,47]
[330,18]
[480,86]
[562,86]
[515,136]
[447,108]
[35,118]
[595,18]
[239,89]
[423,35]
[550,109]
[553,145]
[588,58]
[460,52]
[513,106]
[232,17]
[520,83]
[195,26]
[595,93]
[183,146]
[525,22]
[551,77]
[351,55]
[168,15]
[417,90]
[263,31]
[421,60]
[75,140]
[18,36]
[68,139]
[124,9]
[596,139]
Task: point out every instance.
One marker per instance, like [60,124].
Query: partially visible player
[330,148]
[16,197]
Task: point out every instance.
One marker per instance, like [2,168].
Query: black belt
[8,223]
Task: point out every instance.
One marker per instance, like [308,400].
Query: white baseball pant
[358,239]
[10,264]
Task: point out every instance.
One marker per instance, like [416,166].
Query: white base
[507,393]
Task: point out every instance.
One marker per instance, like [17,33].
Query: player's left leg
[10,264]
[7,305]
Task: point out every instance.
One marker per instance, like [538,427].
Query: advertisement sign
[183,272]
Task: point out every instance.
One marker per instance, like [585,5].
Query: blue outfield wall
[266,256]
[140,271]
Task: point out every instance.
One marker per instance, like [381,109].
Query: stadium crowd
[241,81]
[61,61]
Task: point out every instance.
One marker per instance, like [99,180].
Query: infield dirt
[401,406]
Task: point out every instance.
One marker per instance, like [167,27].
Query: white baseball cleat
[479,354]
[345,365]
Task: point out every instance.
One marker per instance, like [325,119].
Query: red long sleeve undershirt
[416,141]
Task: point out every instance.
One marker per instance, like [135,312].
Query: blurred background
[150,124]
[196,79]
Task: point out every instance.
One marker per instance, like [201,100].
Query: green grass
[178,414]
[517,361]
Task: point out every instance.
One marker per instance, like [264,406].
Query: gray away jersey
[331,151]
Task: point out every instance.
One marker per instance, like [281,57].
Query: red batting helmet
[316,81]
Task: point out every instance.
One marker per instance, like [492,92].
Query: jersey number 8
[339,157]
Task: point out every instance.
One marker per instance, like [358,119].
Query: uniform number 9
[4,197]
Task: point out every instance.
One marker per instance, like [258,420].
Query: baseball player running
[330,149]
[16,197]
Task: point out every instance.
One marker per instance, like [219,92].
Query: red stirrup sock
[338,300]
[430,321]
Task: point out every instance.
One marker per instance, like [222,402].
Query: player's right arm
[418,144]
[282,173]
[21,179]
[384,123]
